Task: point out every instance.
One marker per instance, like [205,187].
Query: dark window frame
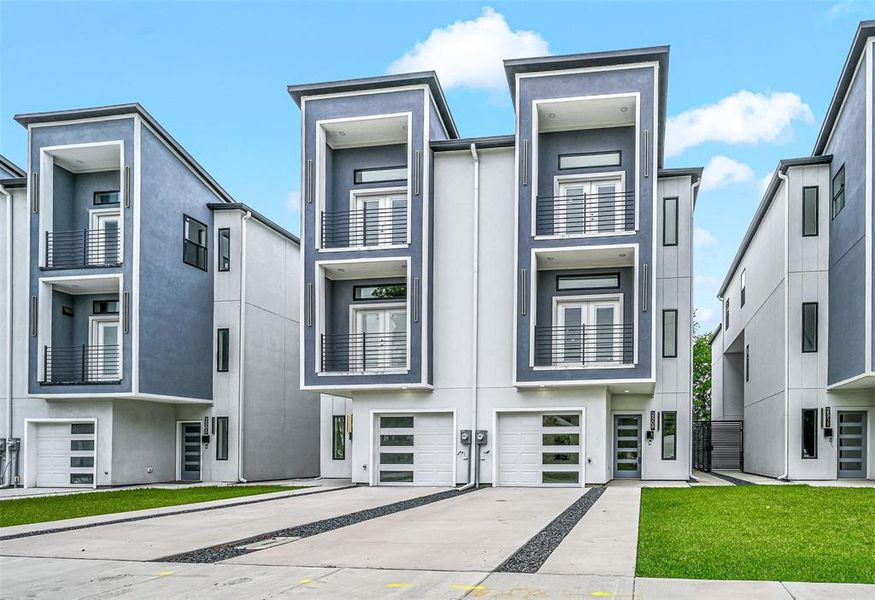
[205,248]
[588,276]
[94,196]
[742,281]
[95,311]
[816,324]
[227,429]
[802,436]
[223,349]
[816,210]
[675,442]
[618,152]
[726,313]
[335,419]
[356,288]
[676,221]
[357,172]
[224,262]
[665,312]
[834,195]
[747,363]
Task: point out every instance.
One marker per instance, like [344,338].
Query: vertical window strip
[224,249]
[810,216]
[809,326]
[809,433]
[222,349]
[669,221]
[670,333]
[838,191]
[222,438]
[338,437]
[669,435]
[747,363]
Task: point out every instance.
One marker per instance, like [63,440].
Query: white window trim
[28,446]
[567,178]
[354,308]
[557,300]
[94,319]
[358,194]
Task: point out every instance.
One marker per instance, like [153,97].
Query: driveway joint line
[731,479]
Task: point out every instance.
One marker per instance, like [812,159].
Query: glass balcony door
[380,338]
[381,219]
[103,247]
[585,206]
[104,350]
[588,331]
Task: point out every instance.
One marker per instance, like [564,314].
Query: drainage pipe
[474,449]
[7,474]
[241,350]
[783,177]
[693,190]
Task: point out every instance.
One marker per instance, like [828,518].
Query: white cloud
[293,201]
[702,237]
[704,315]
[722,170]
[742,118]
[470,53]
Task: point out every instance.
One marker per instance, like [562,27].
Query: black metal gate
[718,445]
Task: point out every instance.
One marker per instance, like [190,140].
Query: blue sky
[748,82]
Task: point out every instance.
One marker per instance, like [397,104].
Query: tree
[702,377]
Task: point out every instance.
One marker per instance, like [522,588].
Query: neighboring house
[523,299]
[794,356]
[156,319]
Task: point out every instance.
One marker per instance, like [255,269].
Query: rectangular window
[396,440]
[669,221]
[560,458]
[380,175]
[743,287]
[670,333]
[223,346]
[560,477]
[225,249]
[747,363]
[104,307]
[194,243]
[583,160]
[560,420]
[669,435]
[396,458]
[82,445]
[838,192]
[588,282]
[809,326]
[82,428]
[81,462]
[396,476]
[392,291]
[338,437]
[222,426]
[82,478]
[809,433]
[726,314]
[396,422]
[809,211]
[105,198]
[560,439]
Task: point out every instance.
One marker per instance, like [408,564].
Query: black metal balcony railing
[85,248]
[584,214]
[584,345]
[82,364]
[365,227]
[364,352]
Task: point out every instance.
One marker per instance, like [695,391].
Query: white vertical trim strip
[135,268]
[868,203]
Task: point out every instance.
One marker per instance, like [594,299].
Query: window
[670,333]
[669,435]
[380,175]
[809,211]
[105,198]
[82,445]
[669,221]
[338,437]
[390,291]
[560,477]
[396,476]
[225,249]
[81,478]
[560,439]
[223,343]
[560,420]
[82,428]
[809,326]
[104,307]
[583,160]
[809,433]
[587,282]
[747,363]
[743,287]
[396,440]
[726,314]
[222,427]
[81,462]
[396,422]
[194,244]
[838,192]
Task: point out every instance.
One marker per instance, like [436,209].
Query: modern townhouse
[153,333]
[510,310]
[793,356]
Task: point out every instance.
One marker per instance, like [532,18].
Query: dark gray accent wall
[74,197]
[547,291]
[343,164]
[551,145]
[340,299]
[176,299]
[73,330]
[847,256]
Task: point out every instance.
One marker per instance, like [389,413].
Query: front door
[852,444]
[627,446]
[190,452]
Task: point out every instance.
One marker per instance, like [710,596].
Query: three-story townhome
[521,300]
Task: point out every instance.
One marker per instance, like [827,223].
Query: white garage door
[542,449]
[415,449]
[65,455]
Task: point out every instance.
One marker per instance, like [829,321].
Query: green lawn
[20,511]
[783,533]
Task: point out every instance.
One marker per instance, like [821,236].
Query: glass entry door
[381,338]
[589,332]
[382,220]
[190,452]
[852,444]
[588,206]
[627,446]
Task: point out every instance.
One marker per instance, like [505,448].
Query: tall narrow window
[670,333]
[222,438]
[194,243]
[743,286]
[726,314]
[225,249]
[338,437]
[222,349]
[838,191]
[669,221]
[809,433]
[669,435]
[809,326]
[809,211]
[747,363]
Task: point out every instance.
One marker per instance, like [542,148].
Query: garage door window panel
[396,476]
[560,477]
[560,421]
[561,458]
[396,422]
[560,439]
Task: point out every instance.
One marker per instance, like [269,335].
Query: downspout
[474,448]
[783,177]
[241,347]
[7,474]
[692,332]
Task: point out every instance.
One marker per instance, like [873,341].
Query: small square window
[222,427]
[225,249]
[194,243]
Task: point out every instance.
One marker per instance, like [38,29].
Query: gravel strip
[186,511]
[534,553]
[235,548]
[732,480]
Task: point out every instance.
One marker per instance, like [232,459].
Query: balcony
[579,213]
[82,249]
[66,365]
[578,346]
[365,352]
[368,227]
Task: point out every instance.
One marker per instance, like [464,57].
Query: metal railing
[82,364]
[364,352]
[584,345]
[365,227]
[85,248]
[584,214]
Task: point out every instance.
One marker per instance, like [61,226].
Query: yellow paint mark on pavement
[305,581]
[601,594]
[399,585]
[477,588]
[166,573]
